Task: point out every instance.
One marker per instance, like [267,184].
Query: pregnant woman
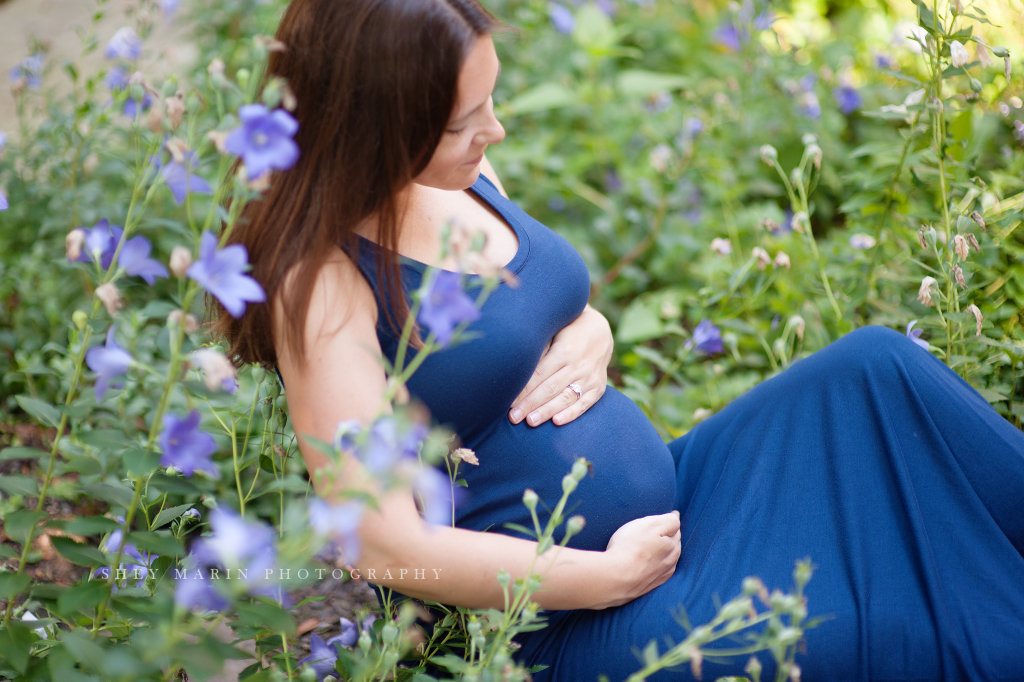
[873,458]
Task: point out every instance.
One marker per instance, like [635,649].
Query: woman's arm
[579,353]
[342,378]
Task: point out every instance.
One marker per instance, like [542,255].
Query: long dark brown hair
[376,83]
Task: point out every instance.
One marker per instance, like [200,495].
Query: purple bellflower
[435,490]
[117,80]
[915,335]
[4,205]
[848,98]
[707,338]
[264,140]
[30,69]
[446,305]
[562,19]
[135,260]
[323,656]
[109,361]
[236,544]
[185,447]
[181,179]
[220,272]
[100,243]
[338,522]
[384,445]
[125,44]
[142,561]
[3,140]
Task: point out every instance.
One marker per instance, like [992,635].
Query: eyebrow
[467,115]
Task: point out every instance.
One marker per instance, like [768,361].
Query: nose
[495,132]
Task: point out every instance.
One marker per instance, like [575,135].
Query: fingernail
[516,414]
[533,418]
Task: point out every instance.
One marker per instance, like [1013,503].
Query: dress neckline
[486,191]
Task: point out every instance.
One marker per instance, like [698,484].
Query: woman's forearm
[460,567]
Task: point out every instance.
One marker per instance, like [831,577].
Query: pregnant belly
[633,472]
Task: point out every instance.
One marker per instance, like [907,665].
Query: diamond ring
[576,389]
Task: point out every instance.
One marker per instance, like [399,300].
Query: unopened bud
[80,318]
[814,153]
[753,668]
[580,469]
[574,525]
[568,484]
[110,297]
[769,154]
[215,67]
[73,243]
[181,261]
[530,499]
[796,176]
[388,633]
[798,325]
[975,85]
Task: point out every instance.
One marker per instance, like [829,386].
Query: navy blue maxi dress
[873,458]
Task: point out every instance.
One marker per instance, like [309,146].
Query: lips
[476,160]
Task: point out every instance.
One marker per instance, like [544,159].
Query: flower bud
[920,237]
[73,243]
[796,176]
[814,153]
[80,318]
[181,261]
[242,76]
[568,484]
[975,85]
[769,154]
[808,139]
[138,93]
[503,579]
[110,297]
[580,469]
[574,525]
[530,499]
[798,325]
[930,237]
[208,501]
[365,642]
[473,627]
[753,667]
[388,633]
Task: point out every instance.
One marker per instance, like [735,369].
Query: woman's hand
[642,554]
[579,353]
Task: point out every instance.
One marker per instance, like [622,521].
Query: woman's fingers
[550,396]
[580,406]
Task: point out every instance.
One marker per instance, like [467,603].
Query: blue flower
[169,7]
[3,202]
[607,6]
[192,589]
[135,260]
[3,140]
[30,69]
[125,44]
[915,335]
[219,271]
[324,655]
[435,490]
[562,19]
[707,338]
[884,61]
[264,140]
[848,98]
[141,565]
[185,447]
[181,180]
[109,361]
[729,37]
[386,444]
[445,305]
[692,127]
[235,541]
[338,522]
[100,243]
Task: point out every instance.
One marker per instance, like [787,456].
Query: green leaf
[543,97]
[7,552]
[110,440]
[20,453]
[139,462]
[83,465]
[269,616]
[16,644]
[173,484]
[639,83]
[168,515]
[291,483]
[121,497]
[989,395]
[82,598]
[12,584]
[44,412]
[78,553]
[91,525]
[18,485]
[18,523]
[157,543]
[594,31]
[638,323]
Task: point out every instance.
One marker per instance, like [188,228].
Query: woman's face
[455,164]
